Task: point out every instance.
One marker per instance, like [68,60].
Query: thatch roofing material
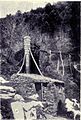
[39,78]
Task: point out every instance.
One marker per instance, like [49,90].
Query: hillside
[55,42]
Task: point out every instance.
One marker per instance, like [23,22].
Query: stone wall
[24,86]
[52,95]
[51,92]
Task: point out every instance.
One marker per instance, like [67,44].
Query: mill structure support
[26,50]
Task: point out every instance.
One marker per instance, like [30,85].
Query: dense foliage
[55,27]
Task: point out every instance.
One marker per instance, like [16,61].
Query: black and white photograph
[40,60]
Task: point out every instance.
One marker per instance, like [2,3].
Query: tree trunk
[62,63]
[58,66]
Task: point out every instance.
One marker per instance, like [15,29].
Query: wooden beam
[26,49]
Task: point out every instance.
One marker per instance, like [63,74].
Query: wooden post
[41,91]
[26,49]
[50,55]
[70,63]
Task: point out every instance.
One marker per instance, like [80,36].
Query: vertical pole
[70,63]
[26,49]
[41,91]
[62,64]
[58,63]
[50,54]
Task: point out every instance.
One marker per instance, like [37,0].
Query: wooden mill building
[50,91]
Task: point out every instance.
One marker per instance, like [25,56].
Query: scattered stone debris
[38,99]
[71,106]
[20,108]
[50,91]
[2,80]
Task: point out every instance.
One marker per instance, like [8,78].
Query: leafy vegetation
[56,28]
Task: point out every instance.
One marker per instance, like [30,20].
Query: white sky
[11,6]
